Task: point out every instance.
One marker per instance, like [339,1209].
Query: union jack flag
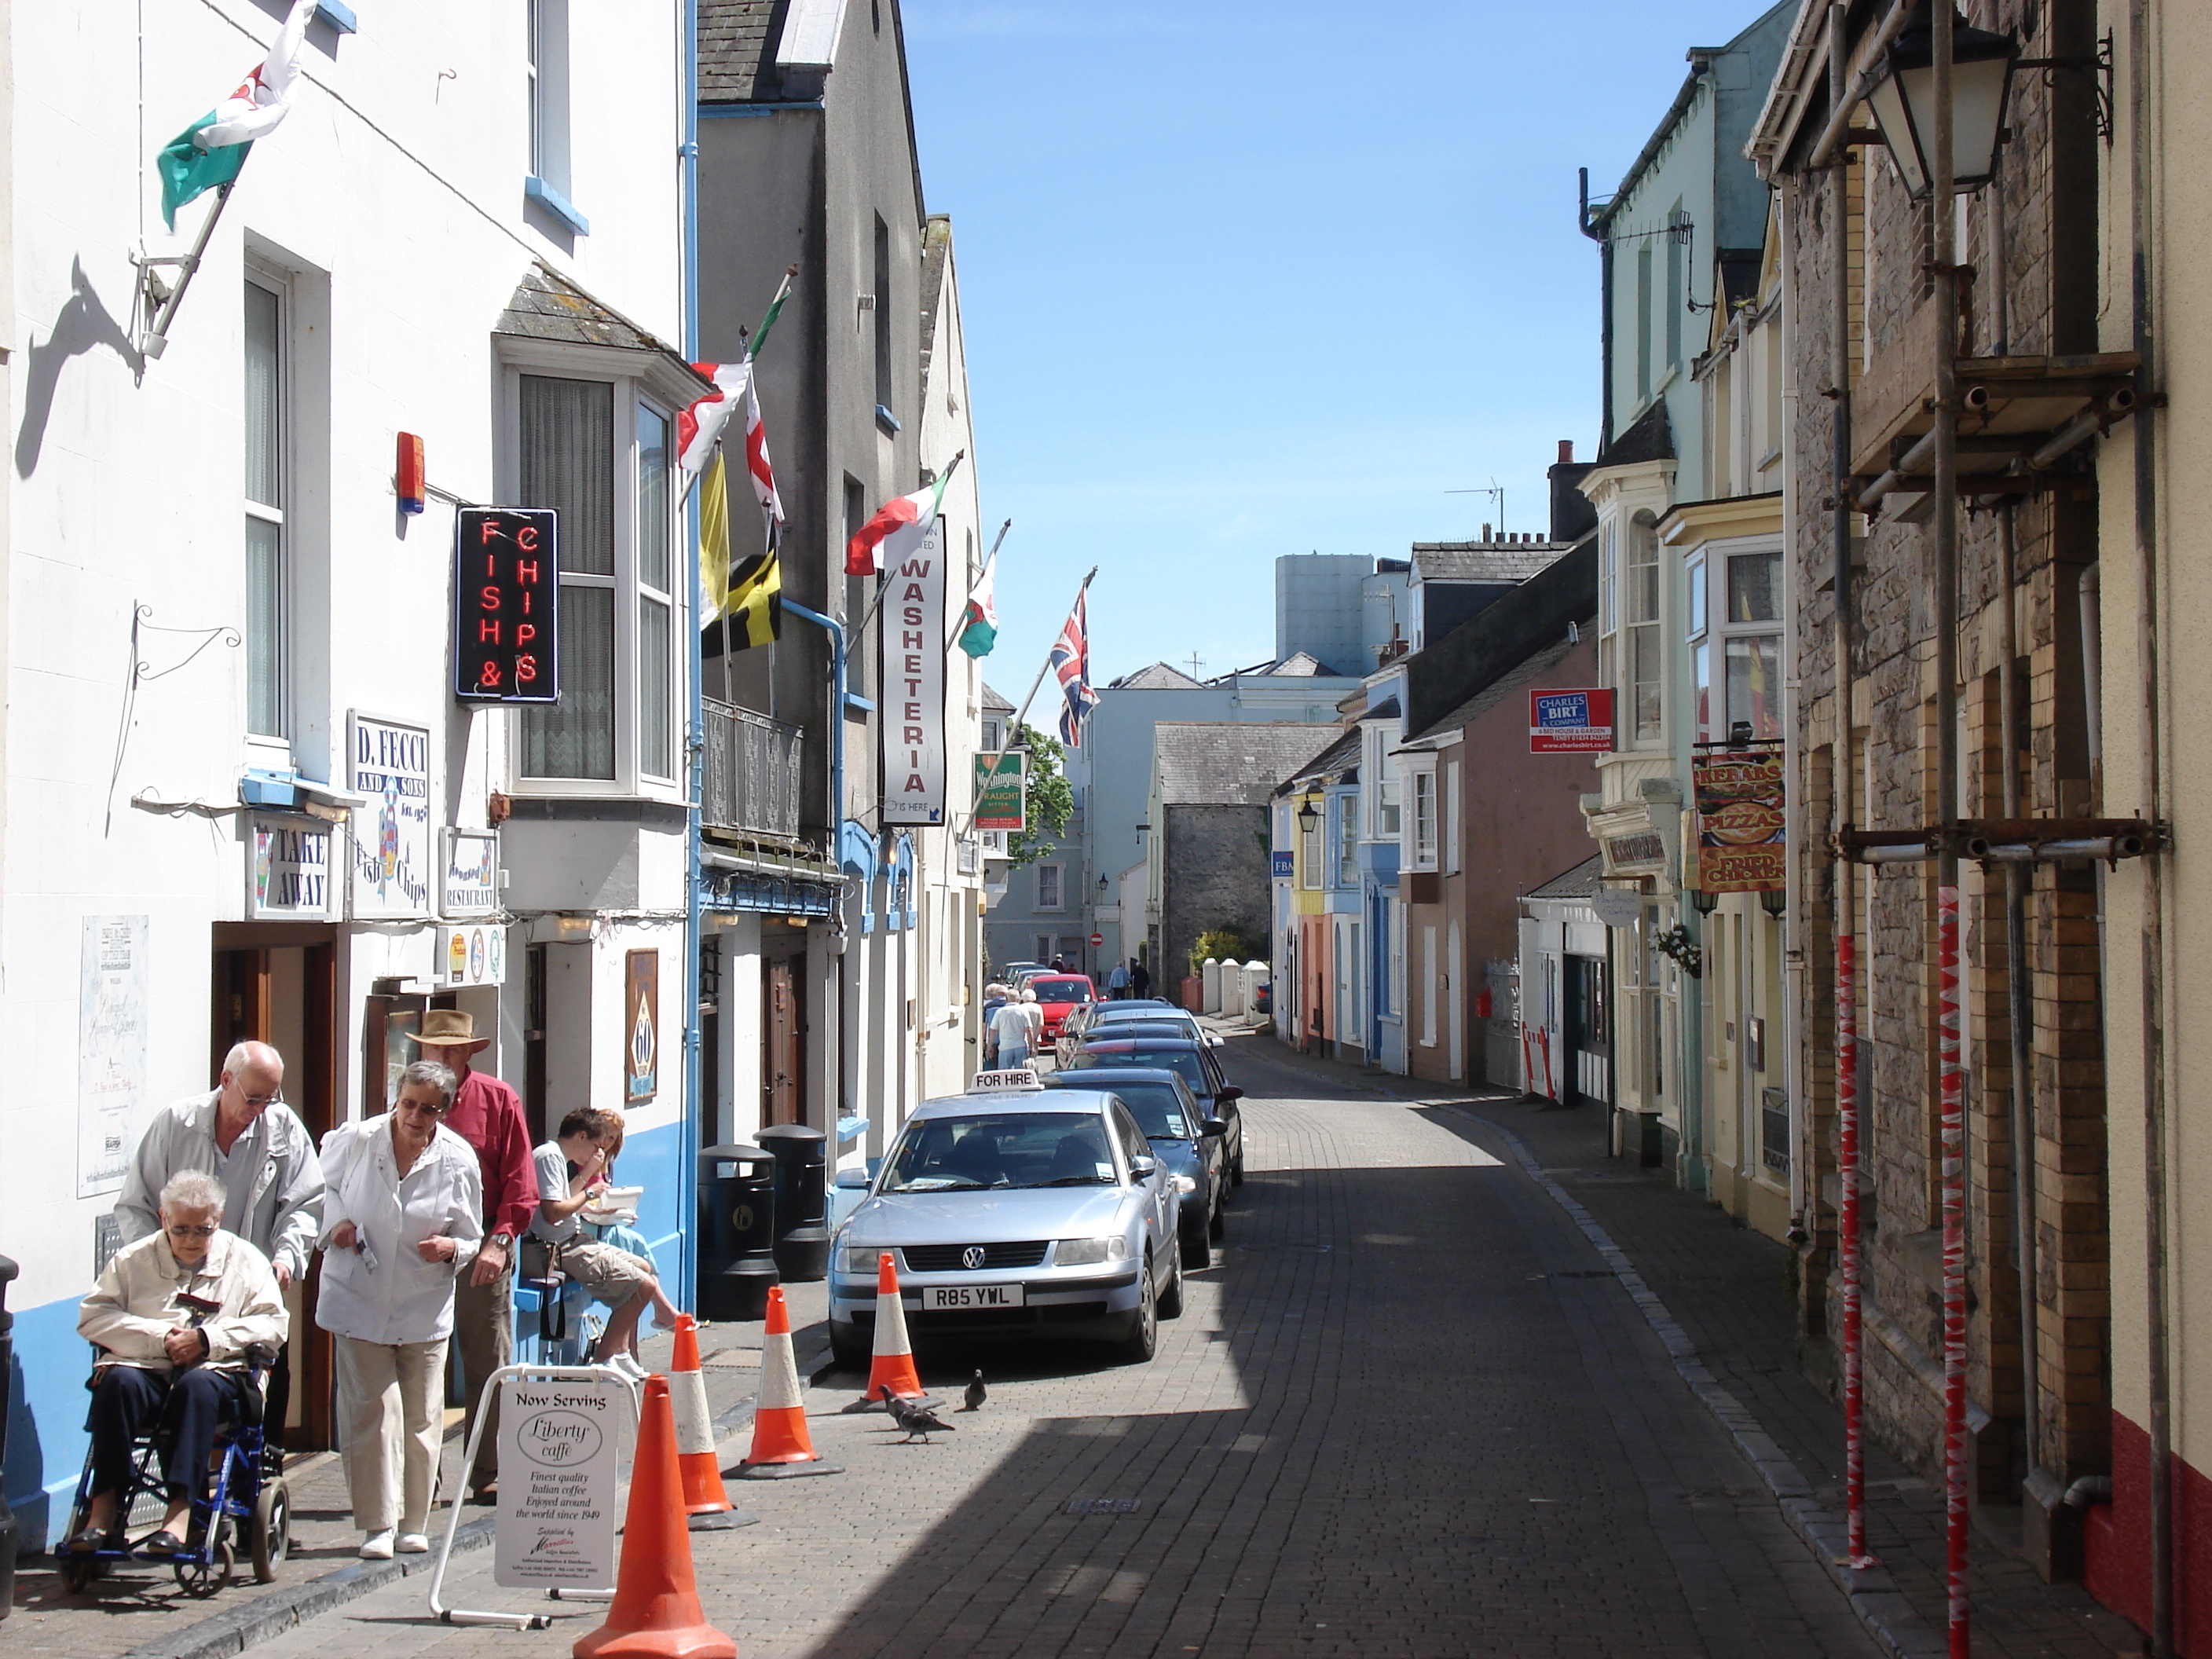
[1070,663]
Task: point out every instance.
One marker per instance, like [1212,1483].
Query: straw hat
[449,1027]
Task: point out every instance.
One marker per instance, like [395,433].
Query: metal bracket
[2098,64]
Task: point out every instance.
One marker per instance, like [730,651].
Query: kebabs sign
[506,577]
[1741,844]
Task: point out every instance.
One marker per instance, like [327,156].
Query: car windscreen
[1184,1063]
[1061,990]
[1132,1030]
[1157,1108]
[1000,1150]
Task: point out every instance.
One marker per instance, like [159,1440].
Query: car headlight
[1182,1183]
[1076,1252]
[859,1260]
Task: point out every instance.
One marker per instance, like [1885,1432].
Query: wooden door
[783,1025]
[240,1013]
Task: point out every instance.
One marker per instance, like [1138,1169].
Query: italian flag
[978,626]
[209,154]
[895,530]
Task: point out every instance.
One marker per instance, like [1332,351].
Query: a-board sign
[1571,722]
[559,1457]
[506,617]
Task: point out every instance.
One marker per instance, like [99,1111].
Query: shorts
[612,1276]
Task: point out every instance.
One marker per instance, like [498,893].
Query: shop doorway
[783,1042]
[277,983]
[1588,1037]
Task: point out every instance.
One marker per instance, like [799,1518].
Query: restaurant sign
[999,795]
[1741,846]
[289,878]
[505,573]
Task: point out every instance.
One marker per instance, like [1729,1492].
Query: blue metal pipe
[836,630]
[695,1135]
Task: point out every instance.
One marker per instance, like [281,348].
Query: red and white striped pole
[1847,1228]
[1954,1267]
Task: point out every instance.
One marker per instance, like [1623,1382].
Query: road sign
[1571,722]
[1097,940]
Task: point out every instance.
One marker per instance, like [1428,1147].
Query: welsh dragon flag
[979,627]
[209,154]
[895,530]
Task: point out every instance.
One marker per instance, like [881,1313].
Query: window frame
[1723,556]
[1313,845]
[275,284]
[1422,829]
[1643,632]
[633,383]
[1347,842]
[1058,903]
[1697,598]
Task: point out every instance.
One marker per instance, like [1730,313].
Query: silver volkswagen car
[1013,1212]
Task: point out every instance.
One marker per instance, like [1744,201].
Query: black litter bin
[802,1201]
[736,1231]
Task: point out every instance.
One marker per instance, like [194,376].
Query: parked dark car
[1191,1061]
[1191,1144]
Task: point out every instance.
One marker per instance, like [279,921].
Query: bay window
[1751,645]
[1646,653]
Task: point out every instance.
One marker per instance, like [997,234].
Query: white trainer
[376,1545]
[413,1543]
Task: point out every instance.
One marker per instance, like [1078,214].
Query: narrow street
[1408,1411]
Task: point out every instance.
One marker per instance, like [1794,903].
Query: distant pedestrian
[1059,965]
[1010,1036]
[994,998]
[1118,983]
[1140,979]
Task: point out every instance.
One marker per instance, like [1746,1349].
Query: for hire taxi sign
[1020,1080]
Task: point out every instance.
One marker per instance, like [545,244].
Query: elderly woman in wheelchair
[184,1320]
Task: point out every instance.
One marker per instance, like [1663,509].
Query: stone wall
[1214,874]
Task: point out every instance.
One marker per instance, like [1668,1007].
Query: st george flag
[895,530]
[209,154]
[699,428]
[1071,663]
[978,626]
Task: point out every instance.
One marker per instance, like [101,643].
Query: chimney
[1486,532]
[1566,452]
[1572,515]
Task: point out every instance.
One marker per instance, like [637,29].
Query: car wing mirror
[1227,1093]
[1143,1167]
[1214,1126]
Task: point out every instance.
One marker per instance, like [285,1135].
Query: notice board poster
[111,1052]
[389,762]
[559,1468]
[912,684]
[641,1000]
[1741,846]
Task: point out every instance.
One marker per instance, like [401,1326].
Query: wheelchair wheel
[204,1578]
[272,1530]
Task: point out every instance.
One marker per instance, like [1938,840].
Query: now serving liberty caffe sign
[559,1465]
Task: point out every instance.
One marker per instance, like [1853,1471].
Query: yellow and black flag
[749,597]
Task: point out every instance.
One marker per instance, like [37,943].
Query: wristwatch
[504,1240]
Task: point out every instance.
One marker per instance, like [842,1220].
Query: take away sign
[1572,722]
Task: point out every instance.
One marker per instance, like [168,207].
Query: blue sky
[1246,279]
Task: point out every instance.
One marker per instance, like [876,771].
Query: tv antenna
[1496,491]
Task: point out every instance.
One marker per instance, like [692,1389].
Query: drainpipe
[1951,1081]
[1845,771]
[694,1106]
[2154,917]
[1605,312]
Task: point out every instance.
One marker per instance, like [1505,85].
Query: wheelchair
[245,1505]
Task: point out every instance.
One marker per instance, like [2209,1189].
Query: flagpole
[155,340]
[1013,732]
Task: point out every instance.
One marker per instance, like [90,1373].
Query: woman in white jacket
[402,1216]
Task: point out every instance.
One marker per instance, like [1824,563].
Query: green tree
[1051,802]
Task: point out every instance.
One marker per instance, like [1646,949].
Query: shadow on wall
[83,323]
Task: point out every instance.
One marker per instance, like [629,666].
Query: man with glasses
[243,1134]
[179,1317]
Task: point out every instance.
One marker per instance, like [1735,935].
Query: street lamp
[1309,816]
[1904,101]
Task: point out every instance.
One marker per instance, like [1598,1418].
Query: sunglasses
[259,1101]
[181,1229]
[417,1106]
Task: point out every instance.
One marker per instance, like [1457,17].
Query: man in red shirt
[488,1114]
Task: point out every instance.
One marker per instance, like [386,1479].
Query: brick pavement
[1730,1288]
[1406,1411]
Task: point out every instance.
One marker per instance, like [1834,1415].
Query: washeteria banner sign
[1738,796]
[913,683]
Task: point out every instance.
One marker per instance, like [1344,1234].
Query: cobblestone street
[1408,1411]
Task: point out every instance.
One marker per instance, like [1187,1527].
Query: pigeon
[976,1395]
[915,1418]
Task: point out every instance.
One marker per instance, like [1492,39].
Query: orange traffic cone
[656,1613]
[695,1428]
[781,1444]
[892,1372]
